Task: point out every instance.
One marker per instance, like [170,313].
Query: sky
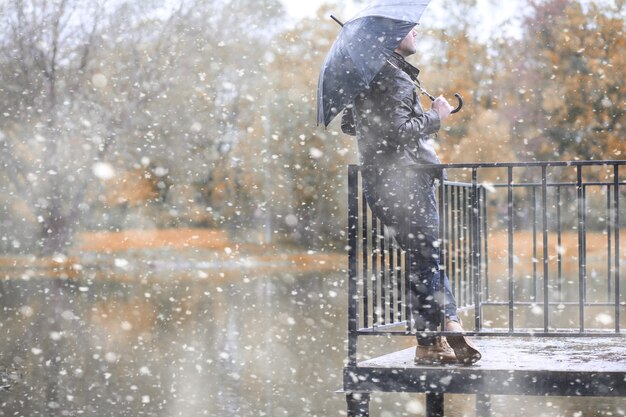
[299,9]
[490,13]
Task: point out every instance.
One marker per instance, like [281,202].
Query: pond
[172,343]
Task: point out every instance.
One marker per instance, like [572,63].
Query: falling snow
[173,223]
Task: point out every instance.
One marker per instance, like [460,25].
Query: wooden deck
[581,366]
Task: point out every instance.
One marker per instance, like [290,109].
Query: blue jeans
[396,198]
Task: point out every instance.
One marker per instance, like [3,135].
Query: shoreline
[203,253]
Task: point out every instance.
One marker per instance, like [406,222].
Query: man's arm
[409,125]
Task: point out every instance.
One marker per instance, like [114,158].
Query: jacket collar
[398,61]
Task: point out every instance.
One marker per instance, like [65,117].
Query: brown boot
[439,353]
[464,349]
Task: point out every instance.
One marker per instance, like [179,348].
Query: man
[393,131]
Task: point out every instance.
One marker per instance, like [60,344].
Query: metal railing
[529,249]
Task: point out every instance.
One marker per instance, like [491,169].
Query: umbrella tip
[336,20]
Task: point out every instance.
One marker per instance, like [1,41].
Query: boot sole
[464,351]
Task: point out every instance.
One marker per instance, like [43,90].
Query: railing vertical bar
[392,276]
[408,260]
[535,259]
[399,279]
[407,291]
[446,239]
[352,263]
[559,244]
[585,242]
[581,260]
[455,245]
[374,238]
[609,237]
[441,251]
[465,247]
[470,243]
[365,254]
[413,249]
[477,247]
[617,253]
[458,263]
[453,253]
[546,276]
[511,255]
[486,244]
[384,246]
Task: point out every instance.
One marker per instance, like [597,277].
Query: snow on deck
[587,354]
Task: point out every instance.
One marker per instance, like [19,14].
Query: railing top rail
[531,184]
[508,164]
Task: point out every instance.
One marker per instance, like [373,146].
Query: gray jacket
[391,127]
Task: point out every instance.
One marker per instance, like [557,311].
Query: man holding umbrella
[377,88]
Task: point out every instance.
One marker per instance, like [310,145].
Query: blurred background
[202,114]
[172,220]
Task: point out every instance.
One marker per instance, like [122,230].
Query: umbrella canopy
[361,49]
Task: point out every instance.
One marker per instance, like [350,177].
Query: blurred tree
[137,86]
[566,74]
[44,52]
[312,161]
[225,46]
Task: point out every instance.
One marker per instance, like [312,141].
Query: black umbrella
[361,49]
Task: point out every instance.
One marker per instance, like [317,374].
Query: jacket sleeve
[409,123]
[347,122]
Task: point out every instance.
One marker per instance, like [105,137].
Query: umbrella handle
[460,99]
[432,98]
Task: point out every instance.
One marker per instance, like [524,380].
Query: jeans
[398,197]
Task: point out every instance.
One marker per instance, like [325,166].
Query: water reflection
[173,344]
[270,345]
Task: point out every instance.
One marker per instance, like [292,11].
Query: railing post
[358,404]
[434,404]
[353,205]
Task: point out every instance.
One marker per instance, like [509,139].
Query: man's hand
[442,107]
